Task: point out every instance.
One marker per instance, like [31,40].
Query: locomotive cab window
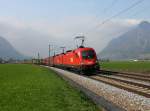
[88,54]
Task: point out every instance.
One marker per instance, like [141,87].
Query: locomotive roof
[80,48]
[85,48]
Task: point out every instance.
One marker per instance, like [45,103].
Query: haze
[30,25]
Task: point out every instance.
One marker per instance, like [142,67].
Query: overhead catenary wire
[114,16]
[121,12]
[106,9]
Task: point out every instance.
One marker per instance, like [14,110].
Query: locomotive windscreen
[88,54]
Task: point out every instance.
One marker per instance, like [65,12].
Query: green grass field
[129,66]
[33,88]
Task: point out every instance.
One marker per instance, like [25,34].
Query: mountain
[8,51]
[134,44]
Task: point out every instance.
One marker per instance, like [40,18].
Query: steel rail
[122,85]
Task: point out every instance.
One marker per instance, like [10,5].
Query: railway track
[120,80]
[126,85]
[126,81]
[137,76]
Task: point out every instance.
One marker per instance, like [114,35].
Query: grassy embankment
[128,66]
[32,88]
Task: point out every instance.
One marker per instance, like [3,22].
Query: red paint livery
[81,59]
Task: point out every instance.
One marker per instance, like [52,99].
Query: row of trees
[27,61]
[10,60]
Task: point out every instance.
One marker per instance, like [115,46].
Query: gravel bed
[122,98]
[128,79]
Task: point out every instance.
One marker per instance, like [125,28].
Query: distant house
[135,60]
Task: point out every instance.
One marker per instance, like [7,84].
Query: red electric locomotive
[82,59]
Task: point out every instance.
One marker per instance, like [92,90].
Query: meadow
[33,88]
[127,66]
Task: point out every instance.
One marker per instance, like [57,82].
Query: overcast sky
[30,25]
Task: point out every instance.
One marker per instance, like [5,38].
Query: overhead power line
[106,9]
[121,12]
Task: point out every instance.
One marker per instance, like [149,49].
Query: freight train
[82,59]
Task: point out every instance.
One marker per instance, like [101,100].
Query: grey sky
[30,25]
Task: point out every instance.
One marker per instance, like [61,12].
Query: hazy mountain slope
[8,51]
[131,45]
